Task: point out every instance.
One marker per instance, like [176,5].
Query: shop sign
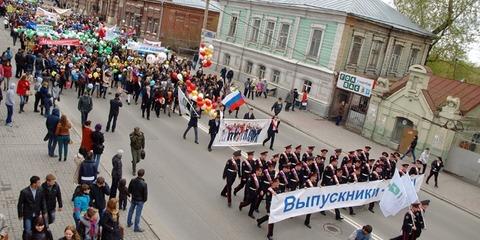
[356,84]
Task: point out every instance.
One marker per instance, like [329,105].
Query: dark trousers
[435,174]
[51,216]
[147,109]
[9,114]
[270,136]
[212,138]
[122,202]
[287,106]
[37,101]
[18,72]
[114,123]
[81,90]
[84,116]
[424,168]
[227,190]
[307,219]
[250,200]
[239,187]
[338,120]
[114,187]
[195,130]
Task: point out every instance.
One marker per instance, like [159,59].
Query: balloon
[193,86]
[208,107]
[151,58]
[188,82]
[194,98]
[189,89]
[199,98]
[162,57]
[180,77]
[152,83]
[174,75]
[199,102]
[202,45]
[90,75]
[210,47]
[214,105]
[194,93]
[201,95]
[208,102]
[213,114]
[203,107]
[95,75]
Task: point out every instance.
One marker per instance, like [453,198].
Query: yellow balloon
[95,74]
[194,93]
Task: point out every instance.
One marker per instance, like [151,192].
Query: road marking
[347,219]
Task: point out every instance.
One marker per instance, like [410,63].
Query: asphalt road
[185,182]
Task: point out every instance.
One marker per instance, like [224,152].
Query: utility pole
[205,15]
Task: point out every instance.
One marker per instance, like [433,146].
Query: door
[407,136]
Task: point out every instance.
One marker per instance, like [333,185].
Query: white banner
[311,200]
[156,44]
[184,103]
[44,13]
[241,132]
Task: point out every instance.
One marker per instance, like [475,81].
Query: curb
[438,196]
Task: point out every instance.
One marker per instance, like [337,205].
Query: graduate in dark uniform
[251,191]
[271,191]
[329,173]
[347,171]
[308,153]
[296,156]
[229,174]
[263,159]
[306,170]
[285,157]
[336,154]
[411,221]
[247,168]
[376,175]
[283,177]
[274,160]
[265,181]
[415,168]
[309,183]
[365,171]
[350,156]
[403,169]
[294,177]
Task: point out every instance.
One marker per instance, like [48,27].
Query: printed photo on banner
[241,132]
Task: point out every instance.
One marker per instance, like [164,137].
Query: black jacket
[248,116]
[52,195]
[213,126]
[138,189]
[97,140]
[193,122]
[97,196]
[87,172]
[27,205]
[115,105]
[110,227]
[117,166]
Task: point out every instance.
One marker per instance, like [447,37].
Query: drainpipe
[385,52]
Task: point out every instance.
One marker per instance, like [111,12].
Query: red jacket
[86,139]
[22,87]
[7,71]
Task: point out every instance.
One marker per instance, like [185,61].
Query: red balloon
[199,98]
[214,105]
[199,103]
[188,82]
[174,75]
[193,86]
[202,45]
[202,53]
[189,89]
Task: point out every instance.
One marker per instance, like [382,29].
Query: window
[261,72]
[255,30]
[156,24]
[249,67]
[395,60]
[307,86]
[355,51]
[276,76]
[413,57]
[375,54]
[149,25]
[226,59]
[233,26]
[315,42]
[283,36]
[269,33]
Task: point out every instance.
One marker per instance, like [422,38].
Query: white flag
[394,197]
[412,196]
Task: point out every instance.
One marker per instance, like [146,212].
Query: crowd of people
[263,177]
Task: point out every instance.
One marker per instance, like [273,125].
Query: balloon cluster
[206,54]
[206,104]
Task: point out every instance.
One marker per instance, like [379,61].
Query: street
[185,183]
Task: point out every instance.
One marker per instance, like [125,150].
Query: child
[89,228]
[123,190]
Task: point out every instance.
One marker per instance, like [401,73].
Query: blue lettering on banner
[341,196]
[350,195]
[331,197]
[289,203]
[315,203]
[324,200]
[368,193]
[308,202]
[375,192]
[359,194]
[302,204]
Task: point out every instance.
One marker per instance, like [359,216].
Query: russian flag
[233,100]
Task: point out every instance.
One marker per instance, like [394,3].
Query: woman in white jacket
[424,159]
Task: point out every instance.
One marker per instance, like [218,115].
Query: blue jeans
[63,146]
[138,213]
[96,158]
[52,144]
[9,113]
[27,227]
[412,151]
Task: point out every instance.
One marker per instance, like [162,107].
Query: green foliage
[460,70]
[454,22]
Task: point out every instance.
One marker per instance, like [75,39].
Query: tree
[453,22]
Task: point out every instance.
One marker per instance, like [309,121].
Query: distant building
[176,23]
[444,113]
[306,44]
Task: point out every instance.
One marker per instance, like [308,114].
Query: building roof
[200,4]
[439,89]
[372,10]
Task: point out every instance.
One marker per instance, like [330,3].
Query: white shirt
[424,157]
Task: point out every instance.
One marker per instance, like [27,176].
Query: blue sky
[473,54]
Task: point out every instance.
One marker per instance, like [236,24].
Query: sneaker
[139,230]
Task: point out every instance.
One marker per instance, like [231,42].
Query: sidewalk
[451,189]
[24,154]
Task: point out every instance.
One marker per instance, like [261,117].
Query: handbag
[47,136]
[142,154]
